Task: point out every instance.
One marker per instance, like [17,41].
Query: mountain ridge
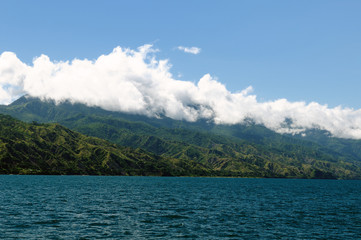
[32,148]
[241,150]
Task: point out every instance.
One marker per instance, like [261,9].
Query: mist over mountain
[136,82]
[247,150]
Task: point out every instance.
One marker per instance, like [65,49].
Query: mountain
[247,150]
[349,147]
[53,149]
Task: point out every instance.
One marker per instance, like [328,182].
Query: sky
[209,59]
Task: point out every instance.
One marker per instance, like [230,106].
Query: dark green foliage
[240,150]
[53,149]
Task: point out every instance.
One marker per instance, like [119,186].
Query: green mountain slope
[239,150]
[53,149]
[349,147]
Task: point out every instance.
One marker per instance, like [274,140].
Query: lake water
[90,207]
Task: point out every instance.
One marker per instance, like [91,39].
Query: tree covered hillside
[52,149]
[238,150]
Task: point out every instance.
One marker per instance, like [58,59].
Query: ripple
[53,221]
[55,207]
[174,217]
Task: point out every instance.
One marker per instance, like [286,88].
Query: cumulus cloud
[134,81]
[193,50]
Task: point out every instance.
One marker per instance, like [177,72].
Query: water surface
[90,207]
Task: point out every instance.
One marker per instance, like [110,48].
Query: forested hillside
[240,150]
[53,149]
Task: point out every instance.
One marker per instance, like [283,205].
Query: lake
[92,207]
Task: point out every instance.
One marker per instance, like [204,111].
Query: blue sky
[298,50]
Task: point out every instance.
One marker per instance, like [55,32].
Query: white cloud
[134,81]
[193,50]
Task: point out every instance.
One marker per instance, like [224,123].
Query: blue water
[89,207]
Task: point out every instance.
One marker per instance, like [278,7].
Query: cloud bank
[134,81]
[193,50]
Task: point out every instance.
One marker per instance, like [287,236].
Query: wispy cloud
[193,50]
[134,81]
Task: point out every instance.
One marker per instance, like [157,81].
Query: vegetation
[200,148]
[53,149]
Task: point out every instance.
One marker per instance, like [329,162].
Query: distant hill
[239,150]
